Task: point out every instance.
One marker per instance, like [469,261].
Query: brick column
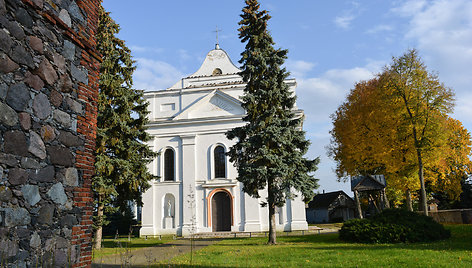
[48,108]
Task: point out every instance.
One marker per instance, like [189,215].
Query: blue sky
[332,45]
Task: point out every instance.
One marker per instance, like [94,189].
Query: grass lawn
[112,246]
[326,250]
[328,225]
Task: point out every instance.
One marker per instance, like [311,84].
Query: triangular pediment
[214,104]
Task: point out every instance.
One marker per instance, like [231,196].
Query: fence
[461,216]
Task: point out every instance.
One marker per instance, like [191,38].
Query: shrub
[393,226]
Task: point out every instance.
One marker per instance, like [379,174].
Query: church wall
[297,214]
[241,201]
[190,98]
[154,221]
[248,215]
[160,145]
[193,127]
[234,92]
[252,214]
[147,217]
[264,211]
[206,107]
[165,106]
[205,153]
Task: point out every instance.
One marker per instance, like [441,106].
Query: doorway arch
[220,210]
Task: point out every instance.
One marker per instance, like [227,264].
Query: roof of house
[368,182]
[325,200]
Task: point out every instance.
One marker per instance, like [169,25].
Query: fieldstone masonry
[48,94]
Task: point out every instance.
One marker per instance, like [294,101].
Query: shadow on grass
[461,240]
[153,266]
[155,243]
[132,244]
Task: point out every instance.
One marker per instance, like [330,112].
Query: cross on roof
[216,31]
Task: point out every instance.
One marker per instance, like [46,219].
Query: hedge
[393,226]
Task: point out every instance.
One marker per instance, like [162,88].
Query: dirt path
[146,256]
[165,252]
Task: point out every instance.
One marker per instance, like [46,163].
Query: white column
[148,213]
[252,221]
[189,205]
[236,210]
[298,214]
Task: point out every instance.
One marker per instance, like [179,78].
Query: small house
[330,207]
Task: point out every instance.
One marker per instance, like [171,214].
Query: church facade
[197,190]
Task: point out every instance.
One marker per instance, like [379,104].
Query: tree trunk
[408,200]
[424,204]
[358,205]
[385,199]
[272,233]
[98,232]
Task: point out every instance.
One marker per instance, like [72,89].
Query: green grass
[112,246]
[326,250]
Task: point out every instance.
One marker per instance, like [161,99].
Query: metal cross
[217,30]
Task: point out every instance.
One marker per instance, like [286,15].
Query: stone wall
[457,216]
[48,94]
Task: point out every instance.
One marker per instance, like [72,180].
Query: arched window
[220,165]
[169,172]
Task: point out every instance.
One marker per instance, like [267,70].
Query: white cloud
[442,30]
[410,8]
[380,28]
[463,110]
[325,172]
[348,15]
[141,49]
[184,55]
[155,75]
[343,22]
[299,68]
[320,96]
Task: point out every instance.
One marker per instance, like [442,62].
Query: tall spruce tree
[270,147]
[121,150]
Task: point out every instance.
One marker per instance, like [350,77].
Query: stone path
[146,256]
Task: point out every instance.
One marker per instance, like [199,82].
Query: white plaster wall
[160,145]
[205,152]
[192,97]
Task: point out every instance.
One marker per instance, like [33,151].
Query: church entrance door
[221,212]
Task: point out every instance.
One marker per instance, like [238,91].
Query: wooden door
[221,212]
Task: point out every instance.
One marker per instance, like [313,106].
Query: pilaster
[189,202]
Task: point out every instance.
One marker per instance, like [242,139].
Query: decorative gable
[214,104]
[217,62]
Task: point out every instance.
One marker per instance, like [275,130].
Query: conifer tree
[270,147]
[121,150]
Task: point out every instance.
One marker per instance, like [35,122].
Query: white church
[197,190]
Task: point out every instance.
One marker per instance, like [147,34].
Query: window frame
[219,165]
[166,165]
